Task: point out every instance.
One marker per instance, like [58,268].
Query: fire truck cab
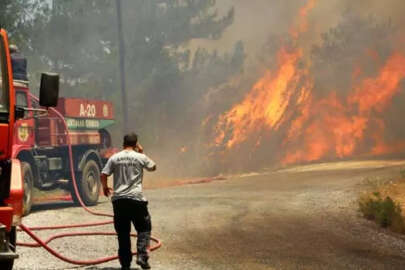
[11,188]
[11,181]
[41,142]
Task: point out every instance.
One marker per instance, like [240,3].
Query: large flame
[336,128]
[265,105]
[283,101]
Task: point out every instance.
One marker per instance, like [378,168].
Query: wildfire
[340,127]
[376,93]
[265,105]
[283,102]
[302,20]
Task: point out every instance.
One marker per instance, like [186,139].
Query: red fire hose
[44,244]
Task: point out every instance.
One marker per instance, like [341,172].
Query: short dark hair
[131,139]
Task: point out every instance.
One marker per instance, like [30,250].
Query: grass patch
[384,201]
[386,212]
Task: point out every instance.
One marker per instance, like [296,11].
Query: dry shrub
[386,212]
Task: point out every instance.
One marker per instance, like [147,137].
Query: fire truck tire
[28,187]
[88,183]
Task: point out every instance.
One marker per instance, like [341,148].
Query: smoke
[186,84]
[258,20]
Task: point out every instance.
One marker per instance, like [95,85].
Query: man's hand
[139,148]
[107,191]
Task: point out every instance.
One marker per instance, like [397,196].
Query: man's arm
[107,171]
[106,189]
[149,164]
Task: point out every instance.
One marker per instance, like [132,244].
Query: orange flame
[340,126]
[376,93]
[302,20]
[381,146]
[265,105]
[283,102]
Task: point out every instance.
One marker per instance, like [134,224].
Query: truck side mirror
[49,91]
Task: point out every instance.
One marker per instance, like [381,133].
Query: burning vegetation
[327,82]
[292,114]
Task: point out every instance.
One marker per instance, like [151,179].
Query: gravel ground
[302,218]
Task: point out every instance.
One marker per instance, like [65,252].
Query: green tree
[159,70]
[165,81]
[19,18]
[77,42]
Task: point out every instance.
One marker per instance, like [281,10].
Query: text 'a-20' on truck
[41,143]
[11,180]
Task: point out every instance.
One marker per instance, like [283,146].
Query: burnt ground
[301,218]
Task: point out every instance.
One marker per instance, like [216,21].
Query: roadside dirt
[300,218]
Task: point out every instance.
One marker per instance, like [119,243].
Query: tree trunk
[122,68]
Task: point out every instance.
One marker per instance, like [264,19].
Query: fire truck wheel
[88,183]
[28,186]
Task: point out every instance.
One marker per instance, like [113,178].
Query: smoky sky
[256,20]
[194,98]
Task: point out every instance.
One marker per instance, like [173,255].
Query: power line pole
[122,67]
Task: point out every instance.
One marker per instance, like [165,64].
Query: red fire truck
[41,145]
[11,182]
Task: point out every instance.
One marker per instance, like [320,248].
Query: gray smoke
[186,65]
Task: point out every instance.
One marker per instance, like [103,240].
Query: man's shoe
[142,262]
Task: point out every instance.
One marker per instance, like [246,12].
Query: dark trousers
[127,211]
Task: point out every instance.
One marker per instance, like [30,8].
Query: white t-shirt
[127,167]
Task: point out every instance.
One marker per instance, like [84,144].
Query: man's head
[130,140]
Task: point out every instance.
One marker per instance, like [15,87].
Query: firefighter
[129,203]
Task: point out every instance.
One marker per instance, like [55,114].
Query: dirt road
[301,218]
